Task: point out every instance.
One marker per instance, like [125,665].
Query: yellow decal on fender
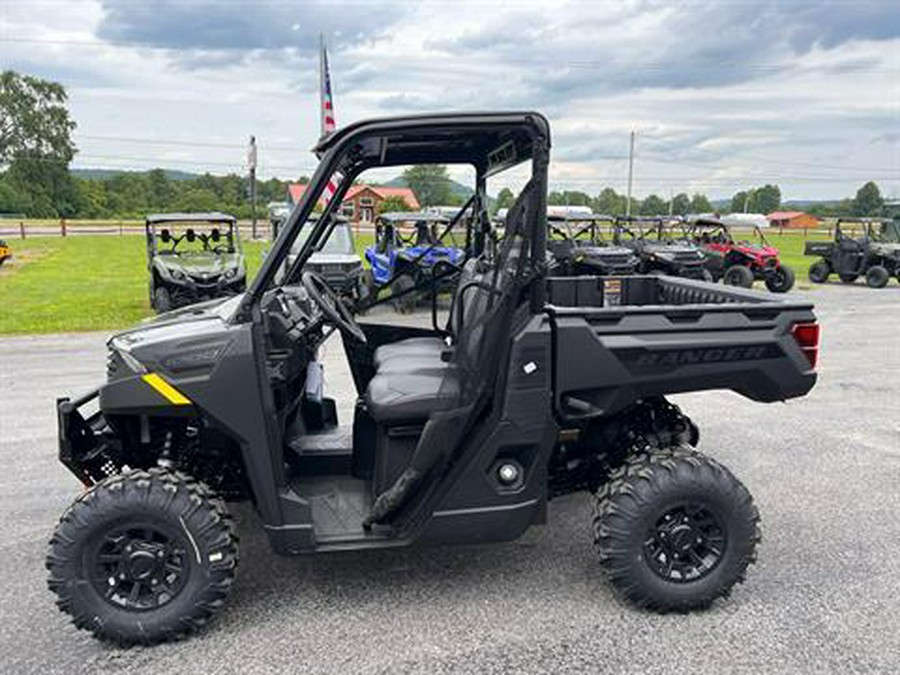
[166,390]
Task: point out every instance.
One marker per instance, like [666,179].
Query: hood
[672,249]
[198,264]
[889,249]
[188,319]
[758,250]
[610,251]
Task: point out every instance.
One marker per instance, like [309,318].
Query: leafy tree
[505,198]
[700,204]
[12,199]
[767,199]
[91,198]
[681,204]
[868,200]
[197,198]
[740,201]
[609,202]
[569,198]
[393,203]
[34,121]
[430,182]
[653,205]
[36,144]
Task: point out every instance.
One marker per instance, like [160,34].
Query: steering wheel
[331,305]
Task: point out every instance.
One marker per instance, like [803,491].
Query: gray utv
[193,257]
[875,255]
[538,386]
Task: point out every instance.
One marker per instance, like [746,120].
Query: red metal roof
[786,215]
[296,190]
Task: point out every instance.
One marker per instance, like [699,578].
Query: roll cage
[489,142]
[158,230]
[579,227]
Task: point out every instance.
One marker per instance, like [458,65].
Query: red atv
[740,263]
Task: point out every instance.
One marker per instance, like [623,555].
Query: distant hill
[109,174]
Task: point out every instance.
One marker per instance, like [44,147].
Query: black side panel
[607,362]
[478,507]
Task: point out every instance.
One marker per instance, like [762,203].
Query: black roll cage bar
[343,152]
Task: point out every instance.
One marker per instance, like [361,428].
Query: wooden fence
[24,228]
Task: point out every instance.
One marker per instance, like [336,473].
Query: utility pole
[630,175]
[747,196]
[251,163]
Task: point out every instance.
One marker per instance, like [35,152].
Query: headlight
[230,273]
[176,273]
[124,351]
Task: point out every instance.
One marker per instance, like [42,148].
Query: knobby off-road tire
[738,275]
[674,499]
[162,300]
[782,281]
[143,557]
[819,272]
[877,277]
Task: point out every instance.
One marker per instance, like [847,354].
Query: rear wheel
[819,272]
[674,529]
[162,300]
[143,557]
[877,277]
[848,278]
[781,280]
[738,275]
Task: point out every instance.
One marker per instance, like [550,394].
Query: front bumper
[82,439]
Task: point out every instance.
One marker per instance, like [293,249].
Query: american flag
[328,123]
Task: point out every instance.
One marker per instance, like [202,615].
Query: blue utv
[407,249]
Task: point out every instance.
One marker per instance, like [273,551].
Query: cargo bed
[645,336]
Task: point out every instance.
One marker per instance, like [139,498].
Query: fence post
[121,229]
[22,228]
[62,227]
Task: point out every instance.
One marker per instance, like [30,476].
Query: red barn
[793,219]
[361,202]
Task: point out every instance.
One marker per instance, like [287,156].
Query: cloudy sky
[722,95]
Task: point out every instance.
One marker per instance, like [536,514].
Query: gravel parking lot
[822,597]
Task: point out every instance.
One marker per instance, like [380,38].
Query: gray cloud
[243,25]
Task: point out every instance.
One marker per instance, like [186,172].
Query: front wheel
[877,277]
[674,529]
[162,300]
[781,280]
[143,557]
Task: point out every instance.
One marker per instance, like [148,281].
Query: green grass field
[83,283]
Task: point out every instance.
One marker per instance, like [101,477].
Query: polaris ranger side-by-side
[578,247]
[659,251]
[538,386]
[875,255]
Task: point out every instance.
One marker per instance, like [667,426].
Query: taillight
[807,336]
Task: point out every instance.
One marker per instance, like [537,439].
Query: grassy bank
[83,283]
